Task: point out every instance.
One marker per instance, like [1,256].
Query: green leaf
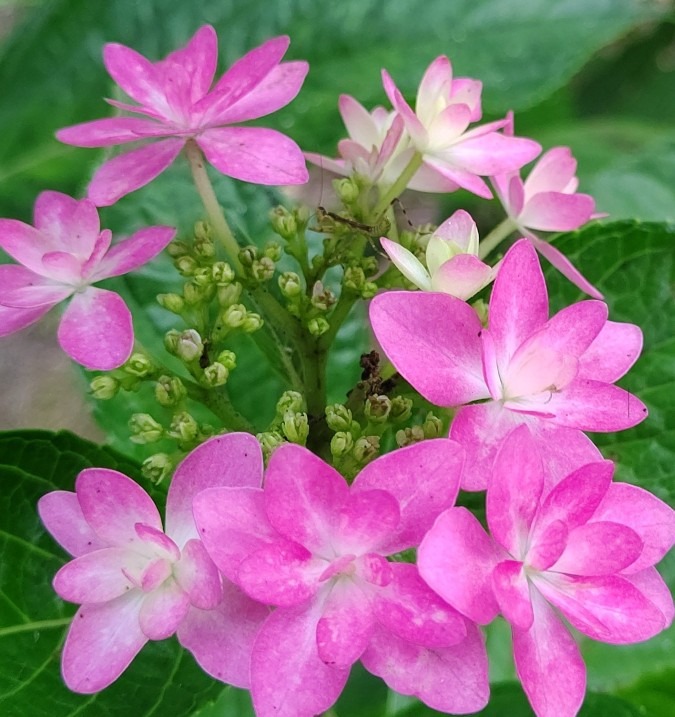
[653,695]
[163,680]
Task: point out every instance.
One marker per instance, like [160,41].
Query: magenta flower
[437,128]
[555,374]
[62,256]
[586,547]
[548,201]
[137,583]
[316,549]
[178,104]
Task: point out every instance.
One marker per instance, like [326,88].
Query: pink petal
[13,319]
[133,252]
[407,263]
[198,58]
[428,179]
[96,330]
[72,224]
[358,122]
[163,610]
[415,128]
[512,592]
[254,154]
[573,329]
[112,504]
[20,288]
[232,460]
[412,611]
[303,496]
[366,522]
[565,267]
[492,153]
[110,131]
[651,518]
[553,172]
[100,249]
[131,170]
[102,641]
[433,341]
[451,122]
[196,574]
[452,679]
[468,91]
[547,545]
[288,678]
[157,543]
[221,639]
[63,267]
[25,244]
[460,228]
[435,85]
[614,350]
[439,462]
[457,175]
[557,212]
[462,276]
[516,197]
[327,164]
[456,559]
[62,516]
[549,664]
[654,588]
[514,491]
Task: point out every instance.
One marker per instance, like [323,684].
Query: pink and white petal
[492,153]
[304,496]
[514,491]
[607,608]
[416,129]
[573,329]
[327,164]
[552,173]
[13,319]
[232,524]
[98,576]
[428,179]
[655,589]
[101,643]
[24,243]
[197,575]
[254,154]
[456,559]
[288,678]
[461,229]
[20,288]
[100,249]
[390,143]
[651,518]
[435,85]
[549,664]
[407,263]
[565,267]
[112,504]
[366,522]
[547,545]
[557,212]
[221,639]
[111,131]
[129,107]
[433,340]
[462,276]
[447,125]
[71,224]
[199,58]
[451,679]
[519,301]
[424,478]
[62,515]
[410,609]
[456,175]
[346,625]
[63,266]
[133,252]
[468,92]
[614,350]
[233,460]
[131,170]
[163,610]
[516,196]
[155,573]
[157,542]
[357,120]
[96,330]
[512,592]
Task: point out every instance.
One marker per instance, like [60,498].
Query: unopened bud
[408,436]
[432,426]
[171,302]
[317,326]
[202,277]
[272,250]
[377,408]
[262,269]
[269,441]
[193,293]
[204,245]
[169,391]
[228,359]
[322,298]
[338,417]
[341,443]
[186,265]
[157,467]
[252,322]
[189,346]
[183,427]
[216,374]
[234,316]
[248,255]
[283,223]
[368,290]
[369,265]
[177,249]
[354,278]
[290,401]
[222,273]
[229,294]
[346,189]
[290,284]
[401,409]
[295,427]
[144,428]
[138,365]
[104,387]
[366,448]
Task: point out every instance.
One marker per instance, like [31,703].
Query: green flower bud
[186,265]
[341,443]
[295,427]
[269,441]
[366,448]
[145,429]
[262,269]
[169,391]
[202,230]
[317,326]
[432,426]
[377,408]
[368,290]
[290,284]
[229,294]
[216,374]
[347,189]
[227,359]
[401,409]
[370,265]
[183,427]
[248,255]
[204,245]
[193,293]
[189,346]
[234,316]
[202,277]
[138,365]
[322,298]
[171,302]
[354,278]
[222,273]
[272,250]
[252,322]
[177,249]
[290,401]
[104,387]
[157,467]
[338,417]
[408,436]
[283,223]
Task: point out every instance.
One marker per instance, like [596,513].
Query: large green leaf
[163,680]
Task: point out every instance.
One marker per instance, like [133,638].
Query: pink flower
[453,266]
[316,549]
[178,104]
[137,583]
[62,255]
[586,547]
[555,374]
[437,128]
[548,201]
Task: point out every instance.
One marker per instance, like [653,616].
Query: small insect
[371,230]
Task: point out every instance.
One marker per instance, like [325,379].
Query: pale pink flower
[438,129]
[62,256]
[586,547]
[556,375]
[548,201]
[136,582]
[316,549]
[178,103]
[453,266]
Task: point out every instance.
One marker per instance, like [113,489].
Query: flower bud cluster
[128,377]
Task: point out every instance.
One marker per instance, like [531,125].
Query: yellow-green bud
[269,441]
[401,409]
[193,293]
[177,249]
[202,277]
[186,265]
[354,278]
[322,298]
[290,284]
[272,250]
[283,223]
[171,339]
[408,436]
[216,374]
[248,255]
[338,417]
[169,391]
[290,401]
[432,426]
[341,443]
[366,448]
[317,326]
[377,408]
[262,269]
[189,346]
[138,365]
[171,302]
[104,387]
[234,316]
[157,467]
[295,427]
[203,240]
[252,322]
[222,273]
[368,290]
[144,428]
[183,427]
[370,265]
[229,294]
[228,359]
[347,189]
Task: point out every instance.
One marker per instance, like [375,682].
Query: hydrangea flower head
[178,103]
[62,256]
[585,546]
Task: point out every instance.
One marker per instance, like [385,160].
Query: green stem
[220,405]
[500,232]
[213,208]
[398,186]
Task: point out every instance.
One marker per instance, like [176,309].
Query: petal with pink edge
[110,131]
[221,639]
[456,559]
[21,289]
[112,504]
[25,244]
[434,342]
[428,179]
[468,91]
[96,330]
[366,521]
[358,122]
[654,588]
[461,229]
[254,154]
[198,58]
[549,664]
[133,252]
[131,170]
[163,610]
[435,85]
[62,515]
[196,574]
[102,641]
[492,153]
[614,350]
[72,224]
[565,266]
[288,678]
[556,212]
[13,319]
[457,175]
[451,679]
[512,592]
[553,172]
[462,276]
[424,478]
[415,128]
[408,264]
